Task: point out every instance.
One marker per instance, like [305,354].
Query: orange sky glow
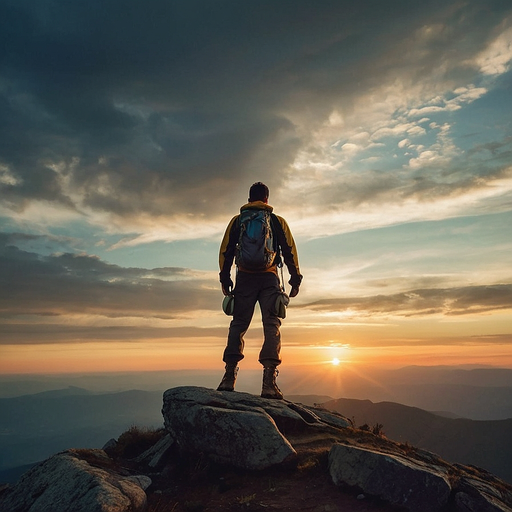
[384,137]
[164,354]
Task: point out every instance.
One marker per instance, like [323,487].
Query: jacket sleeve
[289,251]
[228,247]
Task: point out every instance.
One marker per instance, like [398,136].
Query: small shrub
[376,430]
[137,440]
[407,447]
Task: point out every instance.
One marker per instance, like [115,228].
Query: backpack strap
[279,235]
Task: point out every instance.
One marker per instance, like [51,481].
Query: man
[253,286]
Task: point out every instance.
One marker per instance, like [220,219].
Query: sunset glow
[383,133]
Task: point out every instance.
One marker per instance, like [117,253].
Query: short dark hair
[258,192]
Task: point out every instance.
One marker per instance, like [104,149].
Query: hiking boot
[269,388]
[228,381]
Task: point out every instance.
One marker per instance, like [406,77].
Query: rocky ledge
[256,436]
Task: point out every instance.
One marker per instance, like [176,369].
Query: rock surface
[234,428]
[408,483]
[74,481]
[474,494]
[289,417]
[155,456]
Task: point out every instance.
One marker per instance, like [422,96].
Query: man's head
[258,192]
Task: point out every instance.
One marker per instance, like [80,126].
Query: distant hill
[481,377]
[480,394]
[309,399]
[476,402]
[109,382]
[12,475]
[69,391]
[476,393]
[487,444]
[33,427]
[446,414]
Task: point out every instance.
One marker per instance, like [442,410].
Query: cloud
[371,198]
[43,333]
[467,300]
[460,97]
[495,59]
[129,116]
[66,283]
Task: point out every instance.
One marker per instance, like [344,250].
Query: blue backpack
[255,249]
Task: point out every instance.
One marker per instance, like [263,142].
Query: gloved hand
[295,283]
[227,285]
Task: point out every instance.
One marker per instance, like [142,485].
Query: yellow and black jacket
[281,233]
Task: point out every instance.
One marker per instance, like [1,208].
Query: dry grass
[135,441]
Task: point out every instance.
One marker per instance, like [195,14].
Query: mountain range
[471,424]
[33,427]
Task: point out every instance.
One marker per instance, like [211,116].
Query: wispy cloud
[58,333]
[450,301]
[496,58]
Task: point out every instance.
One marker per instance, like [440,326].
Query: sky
[130,133]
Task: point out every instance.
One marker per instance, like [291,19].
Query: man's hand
[227,286]
[295,281]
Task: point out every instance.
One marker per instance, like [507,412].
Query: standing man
[257,240]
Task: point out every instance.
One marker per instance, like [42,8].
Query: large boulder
[76,481]
[239,428]
[202,420]
[405,482]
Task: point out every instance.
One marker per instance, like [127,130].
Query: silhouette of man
[252,286]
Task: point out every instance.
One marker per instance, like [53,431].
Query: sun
[335,361]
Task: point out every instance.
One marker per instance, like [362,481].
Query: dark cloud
[59,284]
[424,302]
[430,184]
[37,333]
[155,106]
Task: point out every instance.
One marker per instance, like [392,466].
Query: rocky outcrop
[246,432]
[76,481]
[237,428]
